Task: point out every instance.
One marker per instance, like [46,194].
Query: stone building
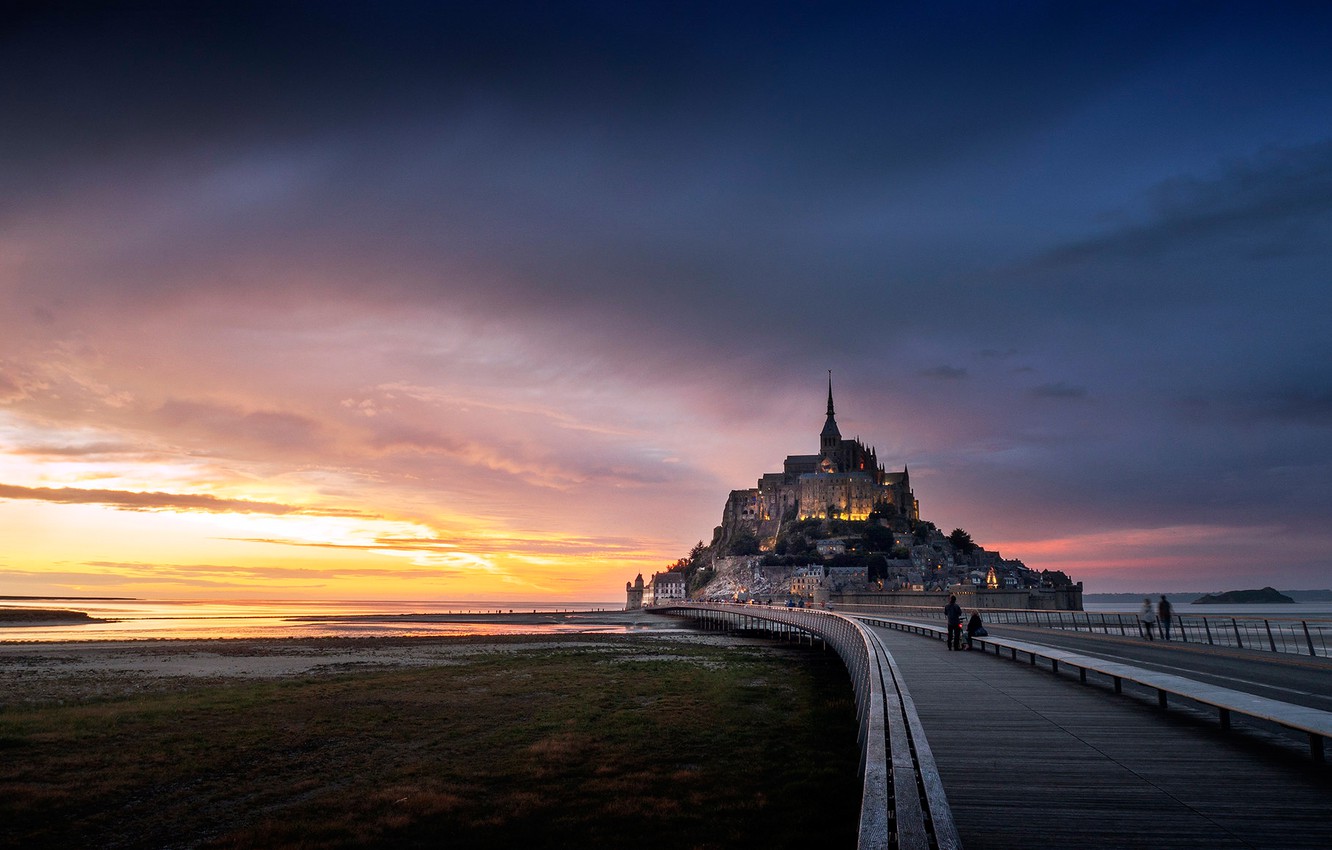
[844,481]
[668,587]
[660,589]
[634,591]
[805,580]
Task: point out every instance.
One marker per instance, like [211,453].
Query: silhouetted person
[1164,611]
[975,628]
[1147,617]
[953,616]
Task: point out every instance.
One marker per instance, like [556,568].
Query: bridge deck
[1028,759]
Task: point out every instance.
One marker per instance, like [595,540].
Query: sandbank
[65,671]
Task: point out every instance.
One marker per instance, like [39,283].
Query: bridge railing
[1313,722]
[1298,637]
[903,803]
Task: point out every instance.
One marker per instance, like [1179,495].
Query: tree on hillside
[743,543]
[697,567]
[880,510]
[923,529]
[962,541]
[698,555]
[879,538]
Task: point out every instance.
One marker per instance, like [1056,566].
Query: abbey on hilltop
[843,481]
[837,528]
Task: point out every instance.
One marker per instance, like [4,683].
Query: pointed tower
[830,439]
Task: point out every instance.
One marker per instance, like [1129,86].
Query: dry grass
[686,746]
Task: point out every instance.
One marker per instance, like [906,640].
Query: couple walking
[953,616]
[1148,617]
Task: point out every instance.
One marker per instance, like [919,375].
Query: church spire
[830,440]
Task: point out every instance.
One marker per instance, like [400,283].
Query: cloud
[472,547]
[87,450]
[945,373]
[232,573]
[1273,204]
[270,429]
[17,384]
[1306,406]
[448,262]
[1059,390]
[136,501]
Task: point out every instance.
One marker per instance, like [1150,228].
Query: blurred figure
[1164,612]
[1147,618]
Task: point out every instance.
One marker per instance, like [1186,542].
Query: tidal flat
[670,741]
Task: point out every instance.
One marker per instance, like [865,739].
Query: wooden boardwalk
[1030,760]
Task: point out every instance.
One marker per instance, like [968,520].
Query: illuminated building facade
[843,481]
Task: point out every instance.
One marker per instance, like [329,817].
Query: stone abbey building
[844,480]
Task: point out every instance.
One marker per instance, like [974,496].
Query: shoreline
[60,672]
[19,617]
[608,618]
[49,625]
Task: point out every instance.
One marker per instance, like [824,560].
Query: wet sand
[76,671]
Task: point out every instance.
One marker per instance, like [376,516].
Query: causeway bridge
[1042,737]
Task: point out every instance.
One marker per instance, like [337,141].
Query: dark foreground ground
[573,741]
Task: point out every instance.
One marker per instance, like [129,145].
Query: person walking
[1147,617]
[1164,612]
[953,615]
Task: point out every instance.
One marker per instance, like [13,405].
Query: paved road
[1029,759]
[1299,679]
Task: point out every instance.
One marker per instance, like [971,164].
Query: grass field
[633,742]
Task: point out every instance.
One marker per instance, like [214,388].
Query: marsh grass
[647,744]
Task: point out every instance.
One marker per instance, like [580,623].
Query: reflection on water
[143,619]
[139,619]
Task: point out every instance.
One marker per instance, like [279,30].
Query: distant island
[44,617]
[1244,597]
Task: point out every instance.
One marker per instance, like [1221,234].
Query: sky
[499,301]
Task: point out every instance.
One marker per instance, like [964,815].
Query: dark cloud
[219,69]
[620,157]
[1300,407]
[709,203]
[1274,205]
[1305,406]
[946,373]
[139,501]
[1059,390]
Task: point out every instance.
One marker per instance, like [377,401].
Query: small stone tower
[634,592]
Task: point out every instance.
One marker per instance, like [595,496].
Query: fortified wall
[1040,599]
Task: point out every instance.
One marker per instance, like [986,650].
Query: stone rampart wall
[1062,599]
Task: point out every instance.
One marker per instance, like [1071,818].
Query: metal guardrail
[1296,637]
[903,804]
[1313,722]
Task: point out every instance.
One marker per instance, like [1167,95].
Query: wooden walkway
[1031,760]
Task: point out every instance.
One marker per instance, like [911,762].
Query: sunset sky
[500,300]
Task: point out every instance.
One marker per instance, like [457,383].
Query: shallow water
[142,619]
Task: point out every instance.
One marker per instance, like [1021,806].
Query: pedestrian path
[1031,760]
